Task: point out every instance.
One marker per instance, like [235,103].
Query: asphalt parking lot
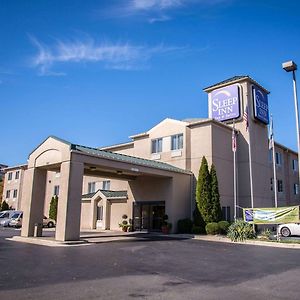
[149,268]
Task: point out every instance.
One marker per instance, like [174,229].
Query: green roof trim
[128,159]
[107,194]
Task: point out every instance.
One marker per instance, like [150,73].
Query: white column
[69,201]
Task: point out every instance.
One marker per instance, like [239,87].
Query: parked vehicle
[16,220]
[5,217]
[47,222]
[289,229]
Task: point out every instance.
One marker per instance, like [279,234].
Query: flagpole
[250,163]
[274,161]
[234,170]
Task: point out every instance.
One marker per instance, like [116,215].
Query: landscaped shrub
[240,231]
[4,206]
[53,208]
[212,228]
[223,226]
[198,230]
[184,226]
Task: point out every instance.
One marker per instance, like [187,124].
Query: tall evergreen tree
[53,208]
[216,212]
[203,191]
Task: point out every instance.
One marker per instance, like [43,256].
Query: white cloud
[155,4]
[120,56]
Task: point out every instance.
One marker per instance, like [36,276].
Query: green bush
[212,228]
[240,231]
[184,226]
[53,208]
[223,226]
[4,206]
[197,229]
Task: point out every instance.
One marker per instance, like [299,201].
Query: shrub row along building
[155,172]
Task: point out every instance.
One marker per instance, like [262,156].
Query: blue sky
[95,72]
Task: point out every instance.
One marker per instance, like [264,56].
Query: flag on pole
[271,137]
[246,117]
[234,145]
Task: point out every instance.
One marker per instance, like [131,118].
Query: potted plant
[166,227]
[124,224]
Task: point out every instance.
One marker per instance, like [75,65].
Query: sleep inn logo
[224,103]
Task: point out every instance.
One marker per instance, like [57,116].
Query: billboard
[260,104]
[224,103]
[274,215]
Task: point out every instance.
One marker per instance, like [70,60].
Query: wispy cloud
[153,11]
[120,56]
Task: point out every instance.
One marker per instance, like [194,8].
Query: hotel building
[155,172]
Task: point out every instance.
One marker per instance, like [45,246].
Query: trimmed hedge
[184,226]
[197,229]
[212,228]
[223,226]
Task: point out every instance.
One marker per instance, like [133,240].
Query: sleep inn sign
[224,103]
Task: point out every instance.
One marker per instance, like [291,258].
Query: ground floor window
[279,186]
[15,194]
[226,213]
[296,188]
[7,194]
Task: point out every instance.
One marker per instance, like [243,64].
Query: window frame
[158,145]
[91,187]
[177,141]
[56,190]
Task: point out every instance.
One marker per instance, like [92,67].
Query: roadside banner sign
[273,215]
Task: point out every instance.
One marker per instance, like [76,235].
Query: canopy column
[69,202]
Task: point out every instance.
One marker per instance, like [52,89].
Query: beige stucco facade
[96,187]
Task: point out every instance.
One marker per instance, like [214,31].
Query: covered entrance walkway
[148,181]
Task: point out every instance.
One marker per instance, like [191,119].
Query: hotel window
[226,213]
[56,190]
[10,175]
[296,189]
[91,187]
[270,155]
[279,186]
[156,146]
[17,175]
[15,194]
[106,185]
[278,159]
[271,181]
[177,141]
[7,194]
[295,165]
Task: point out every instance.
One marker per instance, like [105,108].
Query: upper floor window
[7,194]
[106,185]
[91,187]
[177,141]
[17,175]
[270,155]
[279,186]
[278,159]
[10,175]
[15,194]
[295,165]
[56,190]
[156,146]
[296,189]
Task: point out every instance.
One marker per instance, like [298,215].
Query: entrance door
[148,215]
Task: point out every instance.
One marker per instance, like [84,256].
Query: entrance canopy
[73,162]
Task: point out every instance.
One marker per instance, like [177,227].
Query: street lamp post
[291,66]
